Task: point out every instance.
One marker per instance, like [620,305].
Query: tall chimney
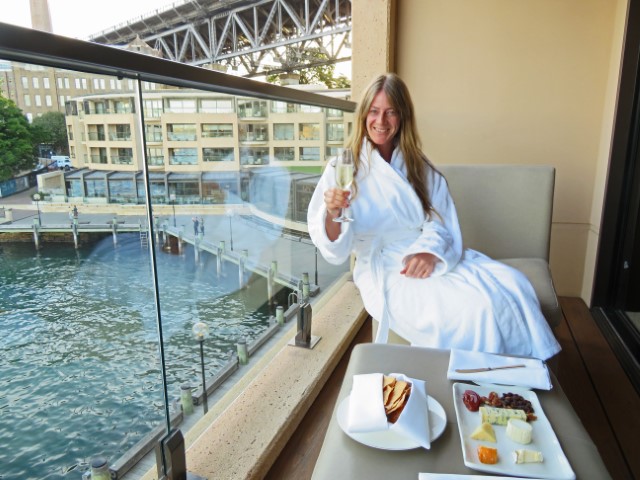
[40,17]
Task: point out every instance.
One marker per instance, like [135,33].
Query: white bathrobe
[469,302]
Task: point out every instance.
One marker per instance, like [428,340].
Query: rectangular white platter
[555,464]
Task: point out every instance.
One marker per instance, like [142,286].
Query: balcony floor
[587,368]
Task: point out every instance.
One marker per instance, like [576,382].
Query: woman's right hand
[336,199]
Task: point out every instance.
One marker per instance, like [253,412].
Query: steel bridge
[255,37]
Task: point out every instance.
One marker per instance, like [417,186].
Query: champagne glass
[344,178]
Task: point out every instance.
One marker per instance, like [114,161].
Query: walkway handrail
[33,46]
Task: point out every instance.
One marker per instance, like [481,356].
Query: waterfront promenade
[264,244]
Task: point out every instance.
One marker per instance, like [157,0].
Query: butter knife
[486,369]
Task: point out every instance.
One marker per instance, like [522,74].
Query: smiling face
[383,123]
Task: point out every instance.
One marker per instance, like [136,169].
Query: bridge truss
[256,37]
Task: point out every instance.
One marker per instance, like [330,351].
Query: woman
[411,269]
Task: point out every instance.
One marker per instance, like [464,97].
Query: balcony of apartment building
[463,121]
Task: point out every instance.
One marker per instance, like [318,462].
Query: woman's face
[383,122]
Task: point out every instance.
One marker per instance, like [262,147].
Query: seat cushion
[538,273]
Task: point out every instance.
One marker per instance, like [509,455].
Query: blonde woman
[411,269]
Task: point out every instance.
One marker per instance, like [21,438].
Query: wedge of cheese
[485,433]
[519,431]
[527,456]
[500,416]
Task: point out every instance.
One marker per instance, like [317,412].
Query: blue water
[79,358]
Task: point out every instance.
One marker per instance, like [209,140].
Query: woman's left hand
[420,265]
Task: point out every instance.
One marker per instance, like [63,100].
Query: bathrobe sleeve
[441,234]
[338,251]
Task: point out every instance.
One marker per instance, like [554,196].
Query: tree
[16,147]
[50,129]
[317,73]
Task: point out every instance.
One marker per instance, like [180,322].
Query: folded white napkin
[455,476]
[413,422]
[534,375]
[366,409]
[366,405]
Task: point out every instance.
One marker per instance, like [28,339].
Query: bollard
[74,229]
[305,286]
[186,399]
[243,353]
[303,338]
[114,229]
[280,315]
[36,233]
[100,469]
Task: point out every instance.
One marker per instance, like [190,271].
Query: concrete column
[373,38]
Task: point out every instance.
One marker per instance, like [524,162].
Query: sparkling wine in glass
[344,178]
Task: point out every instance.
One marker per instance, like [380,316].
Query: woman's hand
[420,265]
[336,199]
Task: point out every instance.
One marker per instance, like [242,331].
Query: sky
[81,18]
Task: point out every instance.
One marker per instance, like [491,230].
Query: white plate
[555,464]
[389,439]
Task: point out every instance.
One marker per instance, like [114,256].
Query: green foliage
[51,129]
[16,147]
[317,73]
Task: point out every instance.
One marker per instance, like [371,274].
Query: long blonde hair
[407,137]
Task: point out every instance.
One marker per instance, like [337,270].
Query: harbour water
[79,357]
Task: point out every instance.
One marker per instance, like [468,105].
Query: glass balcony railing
[103,335]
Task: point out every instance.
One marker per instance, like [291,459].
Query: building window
[120,132]
[77,83]
[153,132]
[99,155]
[181,105]
[70,132]
[47,100]
[309,131]
[333,113]
[96,132]
[181,132]
[122,156]
[152,108]
[84,84]
[155,156]
[254,156]
[38,100]
[45,83]
[217,130]
[253,132]
[331,152]
[60,82]
[309,154]
[217,155]
[36,82]
[183,156]
[61,99]
[252,108]
[96,188]
[283,107]
[284,154]
[123,106]
[25,82]
[66,82]
[310,109]
[335,132]
[216,105]
[27,100]
[283,131]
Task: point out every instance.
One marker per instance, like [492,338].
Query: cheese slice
[528,456]
[500,416]
[519,431]
[485,433]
